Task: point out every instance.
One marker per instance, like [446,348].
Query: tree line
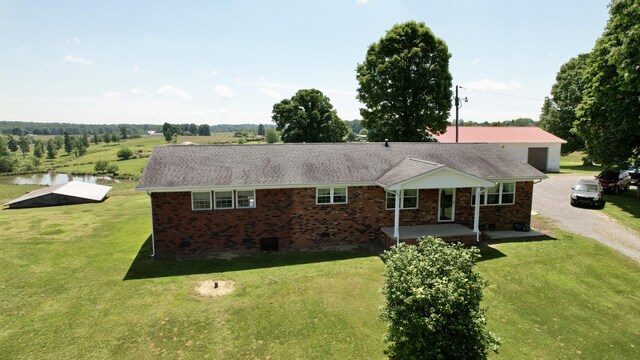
[595,101]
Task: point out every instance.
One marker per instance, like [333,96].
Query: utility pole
[458,106]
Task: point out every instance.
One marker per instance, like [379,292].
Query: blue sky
[229,61]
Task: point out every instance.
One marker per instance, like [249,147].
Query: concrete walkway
[440,230]
[551,200]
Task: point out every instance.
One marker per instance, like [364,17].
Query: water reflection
[51,179]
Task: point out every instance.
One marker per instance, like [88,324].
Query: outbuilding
[533,145]
[73,192]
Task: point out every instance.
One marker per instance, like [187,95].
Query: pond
[51,179]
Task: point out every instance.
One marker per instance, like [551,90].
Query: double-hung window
[503,193]
[201,200]
[223,199]
[409,199]
[331,195]
[245,199]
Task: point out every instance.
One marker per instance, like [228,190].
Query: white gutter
[153,240]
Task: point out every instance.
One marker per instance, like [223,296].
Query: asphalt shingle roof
[281,165]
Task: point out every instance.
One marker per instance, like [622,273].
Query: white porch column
[396,217]
[476,215]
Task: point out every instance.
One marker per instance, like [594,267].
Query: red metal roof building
[532,144]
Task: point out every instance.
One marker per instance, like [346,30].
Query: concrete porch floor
[497,235]
[439,230]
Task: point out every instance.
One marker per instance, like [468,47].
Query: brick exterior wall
[293,217]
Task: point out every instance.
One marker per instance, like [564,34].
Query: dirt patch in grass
[214,288]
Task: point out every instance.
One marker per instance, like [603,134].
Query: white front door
[447,205]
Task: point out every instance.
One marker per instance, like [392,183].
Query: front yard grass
[76,282]
[625,208]
[572,164]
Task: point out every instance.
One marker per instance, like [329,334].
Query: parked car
[614,181]
[635,176]
[587,192]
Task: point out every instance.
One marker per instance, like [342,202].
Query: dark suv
[614,181]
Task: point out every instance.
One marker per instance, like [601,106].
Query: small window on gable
[245,199]
[223,199]
[331,195]
[201,200]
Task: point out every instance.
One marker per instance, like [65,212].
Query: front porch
[447,232]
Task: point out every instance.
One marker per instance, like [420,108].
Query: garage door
[538,157]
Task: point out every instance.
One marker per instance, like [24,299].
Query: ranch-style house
[243,198]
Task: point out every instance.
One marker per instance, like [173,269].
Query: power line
[497,93]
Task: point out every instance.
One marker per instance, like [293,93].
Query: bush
[101,166]
[433,302]
[271,136]
[124,153]
[112,169]
[7,164]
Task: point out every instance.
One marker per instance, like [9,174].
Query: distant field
[215,138]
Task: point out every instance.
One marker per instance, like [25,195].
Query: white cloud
[139,92]
[171,91]
[361,2]
[270,93]
[76,41]
[219,111]
[135,68]
[112,95]
[475,61]
[224,91]
[76,60]
[491,85]
[213,72]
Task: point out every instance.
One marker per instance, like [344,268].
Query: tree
[559,111]
[271,136]
[308,117]
[4,150]
[405,85]
[58,141]
[115,138]
[432,302]
[85,139]
[23,144]
[38,149]
[12,144]
[78,146]
[193,128]
[124,153]
[107,138]
[68,143]
[96,138]
[364,132]
[204,130]
[123,132]
[608,115]
[112,169]
[261,130]
[101,166]
[51,149]
[7,163]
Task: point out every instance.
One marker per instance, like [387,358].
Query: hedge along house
[240,198]
[528,143]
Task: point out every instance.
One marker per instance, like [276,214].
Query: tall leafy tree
[51,149]
[23,144]
[38,149]
[609,114]
[271,136]
[193,129]
[96,138]
[204,130]
[124,132]
[68,143]
[4,150]
[559,111]
[85,139]
[12,144]
[405,85]
[261,129]
[308,117]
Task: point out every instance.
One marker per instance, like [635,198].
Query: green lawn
[572,164]
[77,282]
[625,208]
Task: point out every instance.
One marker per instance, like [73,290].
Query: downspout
[396,217]
[476,215]
[153,240]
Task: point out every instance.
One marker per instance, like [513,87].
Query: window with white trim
[503,193]
[409,199]
[331,195]
[245,199]
[201,200]
[223,199]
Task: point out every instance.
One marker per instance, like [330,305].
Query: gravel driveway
[551,200]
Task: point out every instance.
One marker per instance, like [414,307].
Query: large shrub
[432,302]
[124,153]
